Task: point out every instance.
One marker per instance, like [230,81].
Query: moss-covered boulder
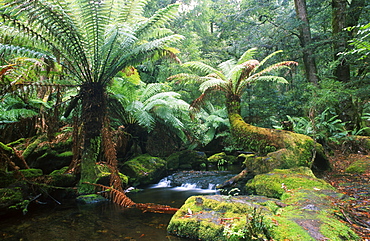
[42,154]
[187,159]
[11,199]
[144,169]
[298,206]
[104,176]
[359,166]
[59,178]
[221,159]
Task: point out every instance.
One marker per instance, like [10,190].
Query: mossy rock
[32,172]
[359,166]
[221,159]
[280,181]
[303,210]
[12,199]
[49,156]
[61,179]
[144,169]
[104,176]
[187,159]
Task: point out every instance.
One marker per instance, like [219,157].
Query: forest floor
[356,209]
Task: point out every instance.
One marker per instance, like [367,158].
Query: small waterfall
[163,183]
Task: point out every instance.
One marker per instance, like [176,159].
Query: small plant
[256,228]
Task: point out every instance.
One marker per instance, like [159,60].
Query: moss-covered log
[276,148]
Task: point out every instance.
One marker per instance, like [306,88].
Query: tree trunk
[280,148]
[93,113]
[343,16]
[306,41]
[341,37]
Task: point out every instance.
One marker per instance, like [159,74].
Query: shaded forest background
[326,97]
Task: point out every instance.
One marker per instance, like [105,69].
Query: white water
[165,183]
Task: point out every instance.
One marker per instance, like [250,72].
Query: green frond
[11,50]
[204,69]
[131,10]
[277,66]
[267,58]
[227,67]
[151,89]
[55,28]
[184,77]
[158,20]
[15,115]
[247,55]
[275,79]
[211,83]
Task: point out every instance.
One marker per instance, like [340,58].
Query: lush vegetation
[112,73]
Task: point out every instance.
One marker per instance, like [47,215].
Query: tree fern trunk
[93,113]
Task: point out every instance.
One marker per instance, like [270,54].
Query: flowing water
[107,221]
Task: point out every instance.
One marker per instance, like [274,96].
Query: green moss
[6,148]
[337,229]
[17,142]
[280,181]
[28,173]
[31,147]
[359,167]
[104,176]
[65,154]
[89,171]
[144,169]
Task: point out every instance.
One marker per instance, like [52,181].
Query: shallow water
[105,221]
[69,221]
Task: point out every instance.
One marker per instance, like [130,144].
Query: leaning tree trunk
[273,148]
[93,114]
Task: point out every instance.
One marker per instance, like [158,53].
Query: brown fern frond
[198,102]
[111,155]
[275,66]
[114,195]
[156,208]
[120,198]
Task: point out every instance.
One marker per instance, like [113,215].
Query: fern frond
[247,55]
[266,59]
[161,17]
[212,83]
[227,66]
[184,77]
[204,69]
[20,51]
[277,66]
[15,115]
[131,10]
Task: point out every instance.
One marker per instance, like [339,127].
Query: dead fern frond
[121,199]
[114,195]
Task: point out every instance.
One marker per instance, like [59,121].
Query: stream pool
[104,221]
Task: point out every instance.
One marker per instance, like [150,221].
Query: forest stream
[108,221]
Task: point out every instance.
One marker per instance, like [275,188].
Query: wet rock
[296,206]
[144,169]
[90,199]
[187,159]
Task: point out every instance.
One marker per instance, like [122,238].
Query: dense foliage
[108,63]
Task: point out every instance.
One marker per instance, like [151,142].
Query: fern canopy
[93,40]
